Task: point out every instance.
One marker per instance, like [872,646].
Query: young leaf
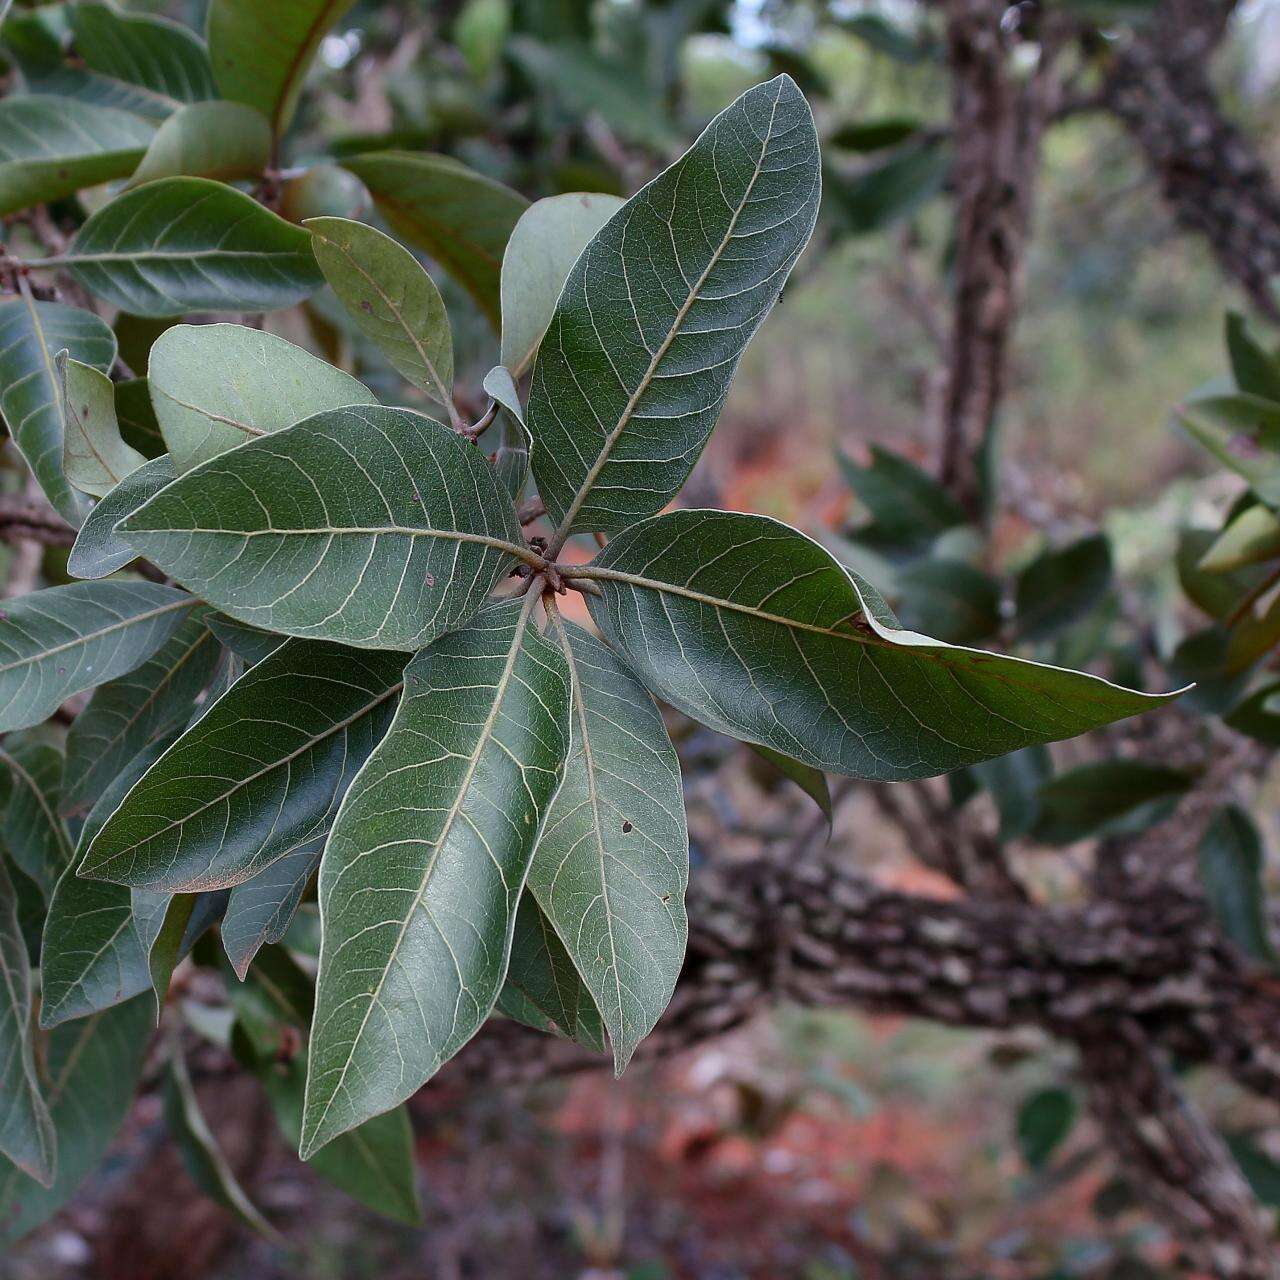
[200,1151]
[191,244]
[259,773]
[1255,370]
[132,711]
[92,1067]
[26,1129]
[750,627]
[399,535]
[460,217]
[31,333]
[99,549]
[221,140]
[1061,585]
[30,830]
[94,457]
[260,910]
[214,386]
[1231,867]
[53,147]
[542,974]
[1243,432]
[261,53]
[56,642]
[655,314]
[544,245]
[423,872]
[1252,537]
[611,868]
[93,953]
[150,54]
[1104,797]
[392,299]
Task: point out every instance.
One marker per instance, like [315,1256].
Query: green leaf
[750,627]
[908,507]
[99,549]
[611,868]
[423,871]
[200,1151]
[137,419]
[1061,585]
[1252,537]
[948,599]
[246,642]
[56,642]
[261,54]
[1231,869]
[638,358]
[548,239]
[1106,797]
[460,217]
[1044,1121]
[259,773]
[1014,782]
[542,974]
[129,713]
[1243,432]
[52,147]
[480,31]
[260,910]
[813,782]
[94,457]
[1262,1171]
[501,388]
[191,244]
[374,1162]
[1255,369]
[874,135]
[214,386]
[31,334]
[30,830]
[1258,716]
[93,953]
[1217,592]
[891,190]
[148,53]
[400,535]
[26,1129]
[92,1067]
[221,140]
[391,298]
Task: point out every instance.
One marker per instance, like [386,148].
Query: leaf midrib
[593,473]
[482,740]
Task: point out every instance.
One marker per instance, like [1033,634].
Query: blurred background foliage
[822,1146]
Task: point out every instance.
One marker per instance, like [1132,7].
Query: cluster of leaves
[322,633]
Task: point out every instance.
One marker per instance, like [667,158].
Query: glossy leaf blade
[52,147]
[391,298]
[56,642]
[191,244]
[99,549]
[31,335]
[26,1129]
[261,52]
[93,1067]
[30,830]
[544,245]
[94,456]
[423,872]
[458,216]
[611,868]
[259,773]
[129,713]
[214,386]
[750,627]
[221,140]
[657,311]
[399,534]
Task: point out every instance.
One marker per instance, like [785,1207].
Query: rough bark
[998,120]
[1209,172]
